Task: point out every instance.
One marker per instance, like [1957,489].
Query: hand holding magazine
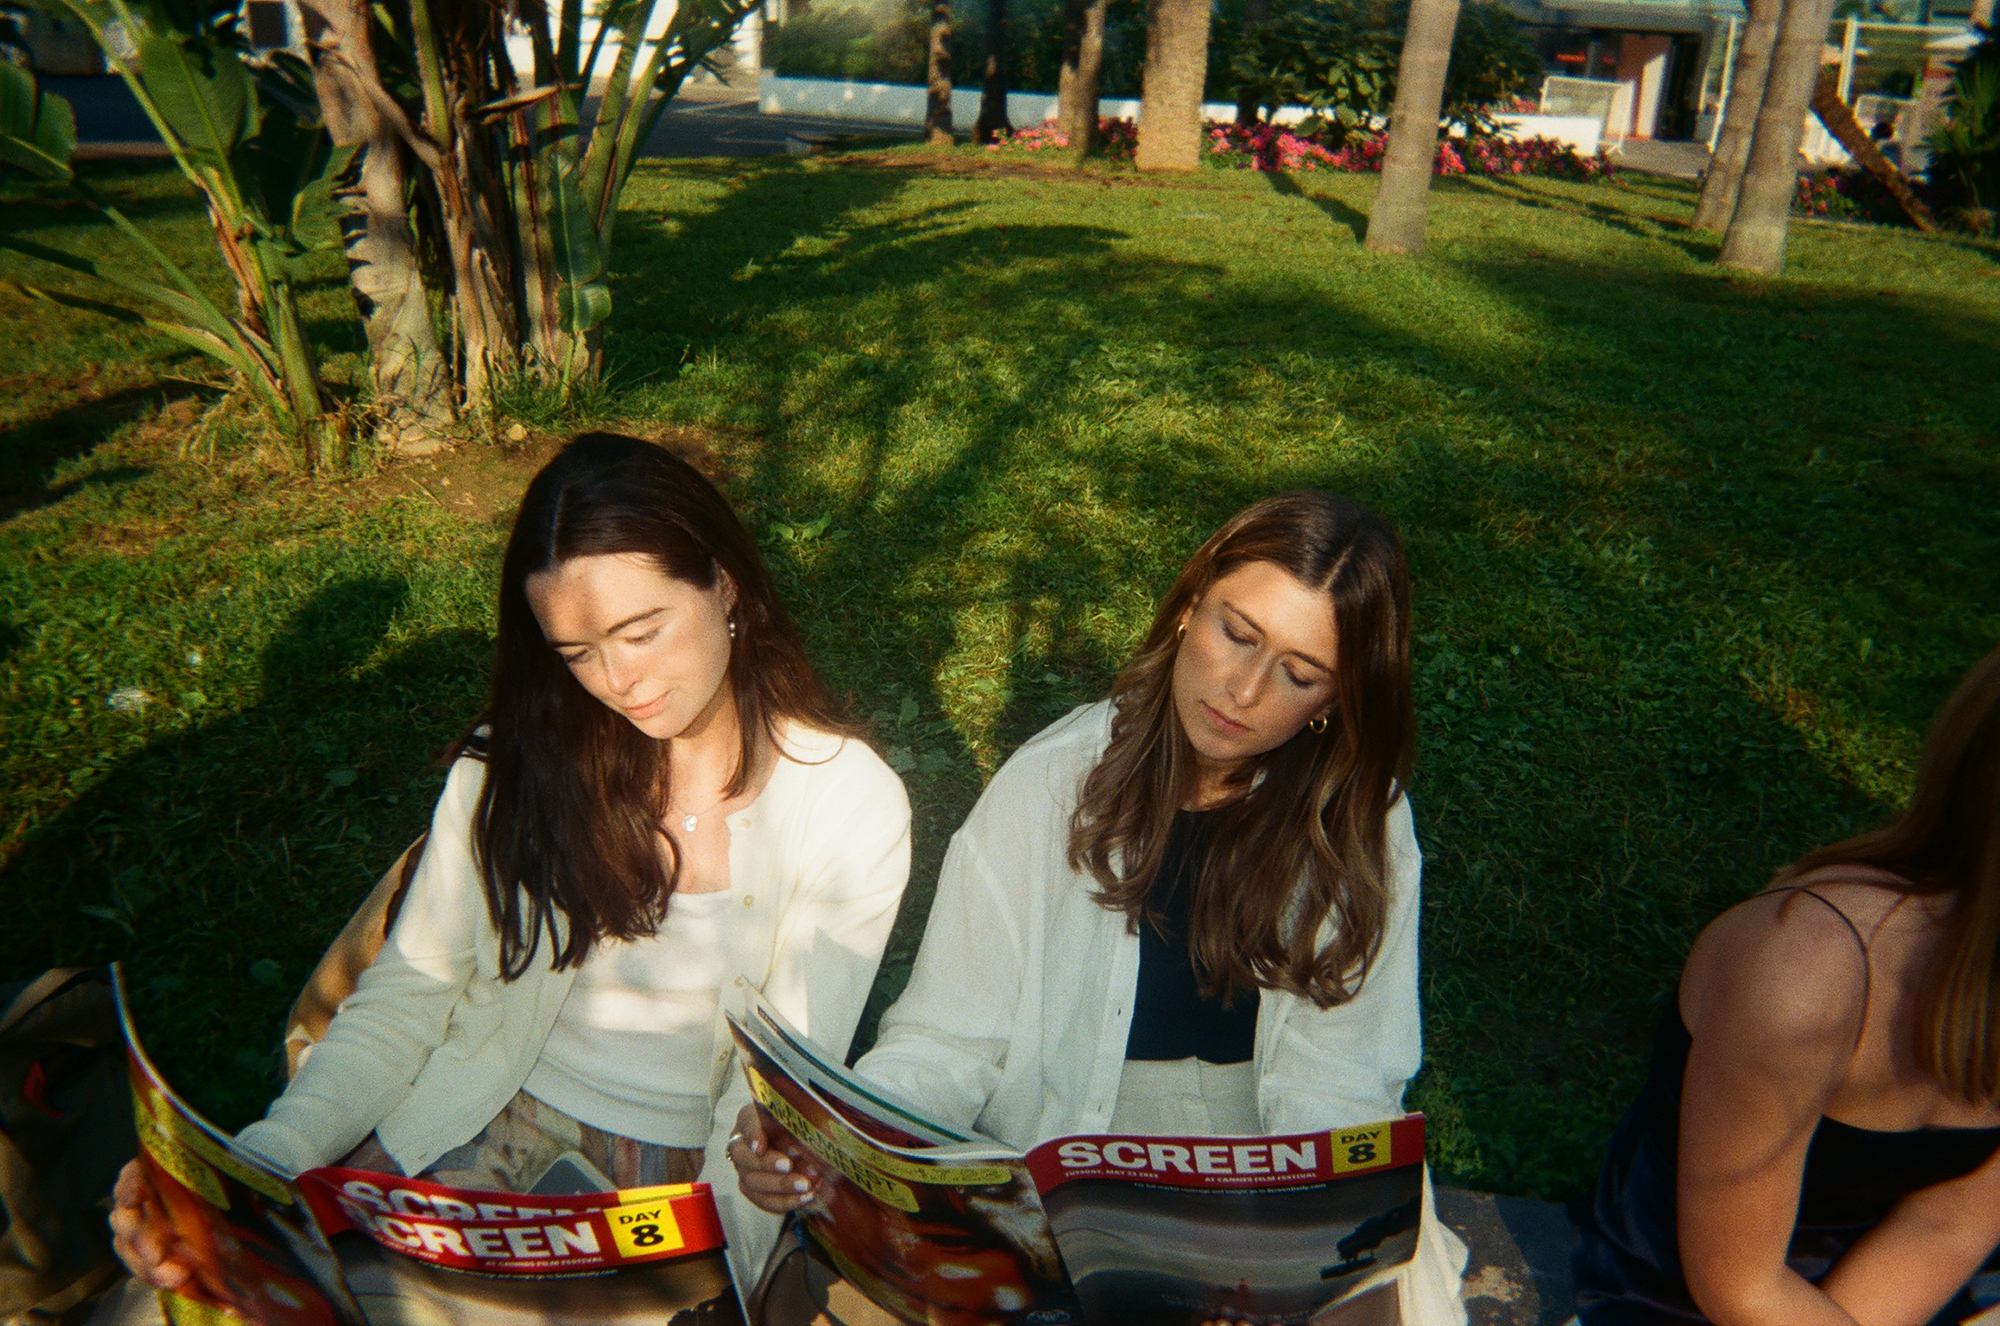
[349,1247]
[942,1228]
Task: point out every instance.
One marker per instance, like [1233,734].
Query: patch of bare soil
[483,481]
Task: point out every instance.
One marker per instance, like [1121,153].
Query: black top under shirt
[1170,1018]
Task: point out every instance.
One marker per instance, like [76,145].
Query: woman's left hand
[773,1180]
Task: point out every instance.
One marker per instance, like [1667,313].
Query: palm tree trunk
[1838,117]
[411,379]
[1082,73]
[1755,241]
[937,108]
[993,92]
[1739,117]
[1396,220]
[1170,94]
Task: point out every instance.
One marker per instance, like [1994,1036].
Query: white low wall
[900,103]
[1582,132]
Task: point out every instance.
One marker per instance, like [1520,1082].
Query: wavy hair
[1302,850]
[1947,842]
[567,832]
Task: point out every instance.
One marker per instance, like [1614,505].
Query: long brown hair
[1304,843]
[1947,842]
[568,823]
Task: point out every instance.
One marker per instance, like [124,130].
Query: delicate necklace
[688,822]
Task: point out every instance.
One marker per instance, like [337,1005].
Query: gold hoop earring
[1318,725]
[1180,630]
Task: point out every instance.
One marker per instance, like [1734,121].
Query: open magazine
[944,1228]
[349,1247]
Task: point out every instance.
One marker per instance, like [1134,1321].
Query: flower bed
[1121,139]
[1850,195]
[1281,148]
[1272,147]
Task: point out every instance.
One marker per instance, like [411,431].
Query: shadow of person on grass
[218,861]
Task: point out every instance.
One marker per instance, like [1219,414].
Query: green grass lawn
[1694,559]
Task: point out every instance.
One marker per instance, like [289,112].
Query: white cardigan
[1015,1019]
[432,1044]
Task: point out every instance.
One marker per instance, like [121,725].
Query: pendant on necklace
[687,825]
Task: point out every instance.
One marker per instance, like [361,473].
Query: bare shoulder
[1785,971]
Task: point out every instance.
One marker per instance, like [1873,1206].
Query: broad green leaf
[583,294]
[203,91]
[37,130]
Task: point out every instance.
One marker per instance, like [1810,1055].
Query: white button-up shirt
[1016,1016]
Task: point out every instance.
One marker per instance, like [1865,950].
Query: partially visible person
[1818,1142]
[658,808]
[1191,909]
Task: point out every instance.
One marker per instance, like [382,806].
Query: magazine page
[937,1235]
[416,1253]
[1281,1231]
[257,1257]
[349,1247]
[872,1109]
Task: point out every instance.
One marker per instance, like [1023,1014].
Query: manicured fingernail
[783,1164]
[800,1185]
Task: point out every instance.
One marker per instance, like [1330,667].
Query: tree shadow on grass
[218,862]
[1355,220]
[1659,229]
[1631,603]
[1599,775]
[33,450]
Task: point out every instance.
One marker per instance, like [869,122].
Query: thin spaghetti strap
[1859,942]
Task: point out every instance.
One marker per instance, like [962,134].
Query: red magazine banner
[1231,1162]
[507,1234]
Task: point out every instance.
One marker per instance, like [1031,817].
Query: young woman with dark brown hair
[1818,1143]
[1192,908]
[659,806]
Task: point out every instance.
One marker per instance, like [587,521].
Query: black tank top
[1171,1018]
[1627,1260]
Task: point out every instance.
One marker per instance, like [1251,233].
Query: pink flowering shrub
[1273,147]
[1291,148]
[1265,147]
[1121,138]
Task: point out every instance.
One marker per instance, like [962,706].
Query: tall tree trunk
[937,108]
[1739,116]
[1170,95]
[1255,14]
[1755,240]
[993,91]
[1839,120]
[412,381]
[1082,73]
[1396,220]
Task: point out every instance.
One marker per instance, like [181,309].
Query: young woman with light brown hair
[1818,1143]
[1191,908]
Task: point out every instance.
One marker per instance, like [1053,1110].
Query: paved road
[705,121]
[718,123]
